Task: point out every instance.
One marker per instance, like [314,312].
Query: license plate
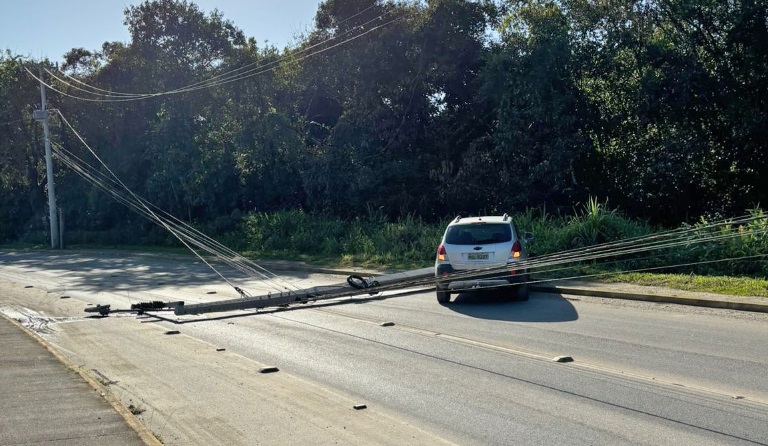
[477,256]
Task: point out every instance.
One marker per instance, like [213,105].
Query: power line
[294,59]
[75,87]
[178,229]
[220,79]
[144,95]
[303,50]
[182,231]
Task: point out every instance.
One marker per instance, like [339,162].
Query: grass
[736,286]
[367,241]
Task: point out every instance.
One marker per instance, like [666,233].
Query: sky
[50,28]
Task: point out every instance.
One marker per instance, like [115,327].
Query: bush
[369,239]
[744,242]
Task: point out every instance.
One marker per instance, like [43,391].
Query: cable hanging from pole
[215,81]
[179,230]
[186,234]
[108,93]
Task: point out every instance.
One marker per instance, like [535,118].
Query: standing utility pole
[42,115]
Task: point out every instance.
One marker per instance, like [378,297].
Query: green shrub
[369,239]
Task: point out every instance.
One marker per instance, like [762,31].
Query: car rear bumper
[450,279]
[474,284]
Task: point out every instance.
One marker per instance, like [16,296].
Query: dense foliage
[370,239]
[424,109]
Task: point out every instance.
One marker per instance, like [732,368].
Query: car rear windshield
[478,234]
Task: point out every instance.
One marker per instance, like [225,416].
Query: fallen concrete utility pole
[355,285]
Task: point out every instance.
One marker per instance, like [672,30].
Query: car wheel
[443,297]
[522,292]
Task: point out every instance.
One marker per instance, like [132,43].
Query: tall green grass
[589,224]
[750,239]
[366,240]
[373,240]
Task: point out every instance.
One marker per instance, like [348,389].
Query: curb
[283,266]
[658,298]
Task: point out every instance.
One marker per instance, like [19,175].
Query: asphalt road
[478,371]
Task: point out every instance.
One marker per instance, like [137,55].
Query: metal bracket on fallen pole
[139,308]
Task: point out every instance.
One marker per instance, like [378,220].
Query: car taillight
[442,256]
[516,248]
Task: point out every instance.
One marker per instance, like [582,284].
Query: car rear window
[478,234]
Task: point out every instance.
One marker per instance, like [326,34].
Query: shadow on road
[119,271]
[499,306]
[116,271]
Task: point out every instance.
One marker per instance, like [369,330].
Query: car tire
[522,292]
[443,297]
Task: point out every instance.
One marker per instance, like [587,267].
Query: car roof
[482,219]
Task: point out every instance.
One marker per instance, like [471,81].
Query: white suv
[471,245]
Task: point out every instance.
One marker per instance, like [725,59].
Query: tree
[380,99]
[22,171]
[676,136]
[538,119]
